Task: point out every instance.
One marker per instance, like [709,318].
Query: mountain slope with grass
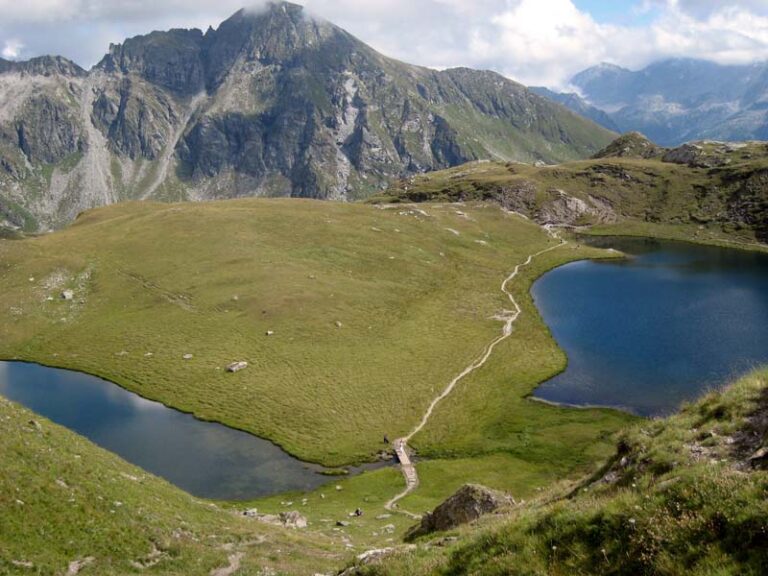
[67,506]
[352,318]
[705,191]
[684,495]
[348,316]
[273,102]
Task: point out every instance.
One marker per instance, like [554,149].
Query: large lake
[203,458]
[646,333]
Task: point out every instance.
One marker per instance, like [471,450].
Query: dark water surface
[646,333]
[203,458]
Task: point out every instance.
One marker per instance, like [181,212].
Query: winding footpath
[509,317]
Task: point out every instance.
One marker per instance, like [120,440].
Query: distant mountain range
[270,103]
[574,102]
[675,101]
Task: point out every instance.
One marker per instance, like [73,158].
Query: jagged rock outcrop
[468,504]
[43,66]
[631,145]
[273,102]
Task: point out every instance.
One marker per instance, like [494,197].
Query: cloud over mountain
[533,41]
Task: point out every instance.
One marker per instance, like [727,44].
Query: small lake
[646,333]
[205,459]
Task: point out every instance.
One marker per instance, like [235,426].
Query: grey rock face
[466,505]
[689,154]
[172,60]
[135,122]
[269,103]
[47,131]
[43,66]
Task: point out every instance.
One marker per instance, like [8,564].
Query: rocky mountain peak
[188,61]
[272,102]
[169,59]
[275,34]
[43,66]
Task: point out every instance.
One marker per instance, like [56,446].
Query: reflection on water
[206,459]
[657,328]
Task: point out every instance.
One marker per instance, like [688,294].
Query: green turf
[373,311]
[683,499]
[62,499]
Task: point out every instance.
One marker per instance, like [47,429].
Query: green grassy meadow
[681,496]
[371,311]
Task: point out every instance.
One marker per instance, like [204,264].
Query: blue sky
[624,12]
[614,11]
[537,42]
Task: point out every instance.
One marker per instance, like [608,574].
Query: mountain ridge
[273,103]
[677,100]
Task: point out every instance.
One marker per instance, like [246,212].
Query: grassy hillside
[708,193]
[64,500]
[685,495]
[372,312]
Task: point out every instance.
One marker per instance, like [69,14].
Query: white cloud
[11,49]
[533,41]
[705,8]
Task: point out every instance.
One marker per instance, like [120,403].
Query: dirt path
[509,317]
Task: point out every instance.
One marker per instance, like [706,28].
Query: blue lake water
[203,458]
[660,327]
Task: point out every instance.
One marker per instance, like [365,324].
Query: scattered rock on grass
[373,557]
[237,366]
[290,519]
[75,566]
[68,295]
[188,356]
[293,519]
[759,458]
